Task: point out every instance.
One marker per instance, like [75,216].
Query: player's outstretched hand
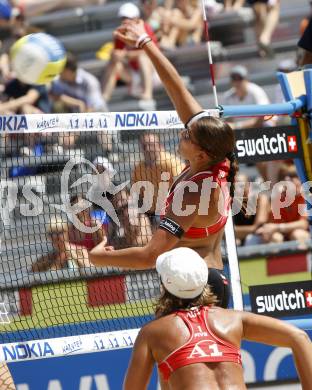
[130,31]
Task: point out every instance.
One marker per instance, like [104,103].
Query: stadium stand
[84,31]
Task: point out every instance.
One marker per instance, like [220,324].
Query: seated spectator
[134,229]
[157,166]
[70,245]
[266,19]
[153,14]
[84,214]
[21,98]
[77,90]
[291,225]
[17,29]
[61,255]
[131,65]
[183,25]
[38,7]
[246,222]
[244,91]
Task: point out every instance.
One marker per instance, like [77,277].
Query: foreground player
[207,144]
[197,345]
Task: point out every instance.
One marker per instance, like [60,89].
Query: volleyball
[37,58]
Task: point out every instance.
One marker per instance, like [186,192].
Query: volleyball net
[69,181]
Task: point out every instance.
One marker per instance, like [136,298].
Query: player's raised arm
[134,34]
[145,257]
[271,331]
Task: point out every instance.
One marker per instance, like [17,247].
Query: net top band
[109,121]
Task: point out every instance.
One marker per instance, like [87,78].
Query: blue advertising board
[94,371]
[105,370]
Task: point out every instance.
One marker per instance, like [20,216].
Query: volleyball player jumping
[196,345]
[207,143]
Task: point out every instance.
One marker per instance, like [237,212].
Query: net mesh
[60,171]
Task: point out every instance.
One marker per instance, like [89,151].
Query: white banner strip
[64,346]
[95,121]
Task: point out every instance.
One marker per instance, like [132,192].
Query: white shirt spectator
[86,88]
[254,95]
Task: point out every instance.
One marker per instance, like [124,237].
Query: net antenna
[229,227]
[208,45]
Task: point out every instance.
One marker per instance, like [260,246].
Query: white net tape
[93,121]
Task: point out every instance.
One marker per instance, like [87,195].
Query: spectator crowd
[170,23]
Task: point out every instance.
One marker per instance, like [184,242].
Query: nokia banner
[268,143]
[280,300]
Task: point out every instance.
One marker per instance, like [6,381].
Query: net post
[302,166]
[307,74]
[233,263]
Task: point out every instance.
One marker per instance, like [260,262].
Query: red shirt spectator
[131,65]
[119,45]
[290,213]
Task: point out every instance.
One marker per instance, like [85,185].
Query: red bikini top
[203,346]
[218,173]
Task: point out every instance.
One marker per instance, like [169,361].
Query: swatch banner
[283,299]
[268,143]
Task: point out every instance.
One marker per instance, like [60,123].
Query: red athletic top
[203,346]
[218,173]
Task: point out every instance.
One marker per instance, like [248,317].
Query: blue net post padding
[307,74]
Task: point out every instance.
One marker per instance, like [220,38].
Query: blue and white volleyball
[37,58]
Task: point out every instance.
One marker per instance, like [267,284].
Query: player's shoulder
[157,325]
[216,312]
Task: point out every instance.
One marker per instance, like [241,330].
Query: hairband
[196,117]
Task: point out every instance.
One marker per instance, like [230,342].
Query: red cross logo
[292,143]
[308,297]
